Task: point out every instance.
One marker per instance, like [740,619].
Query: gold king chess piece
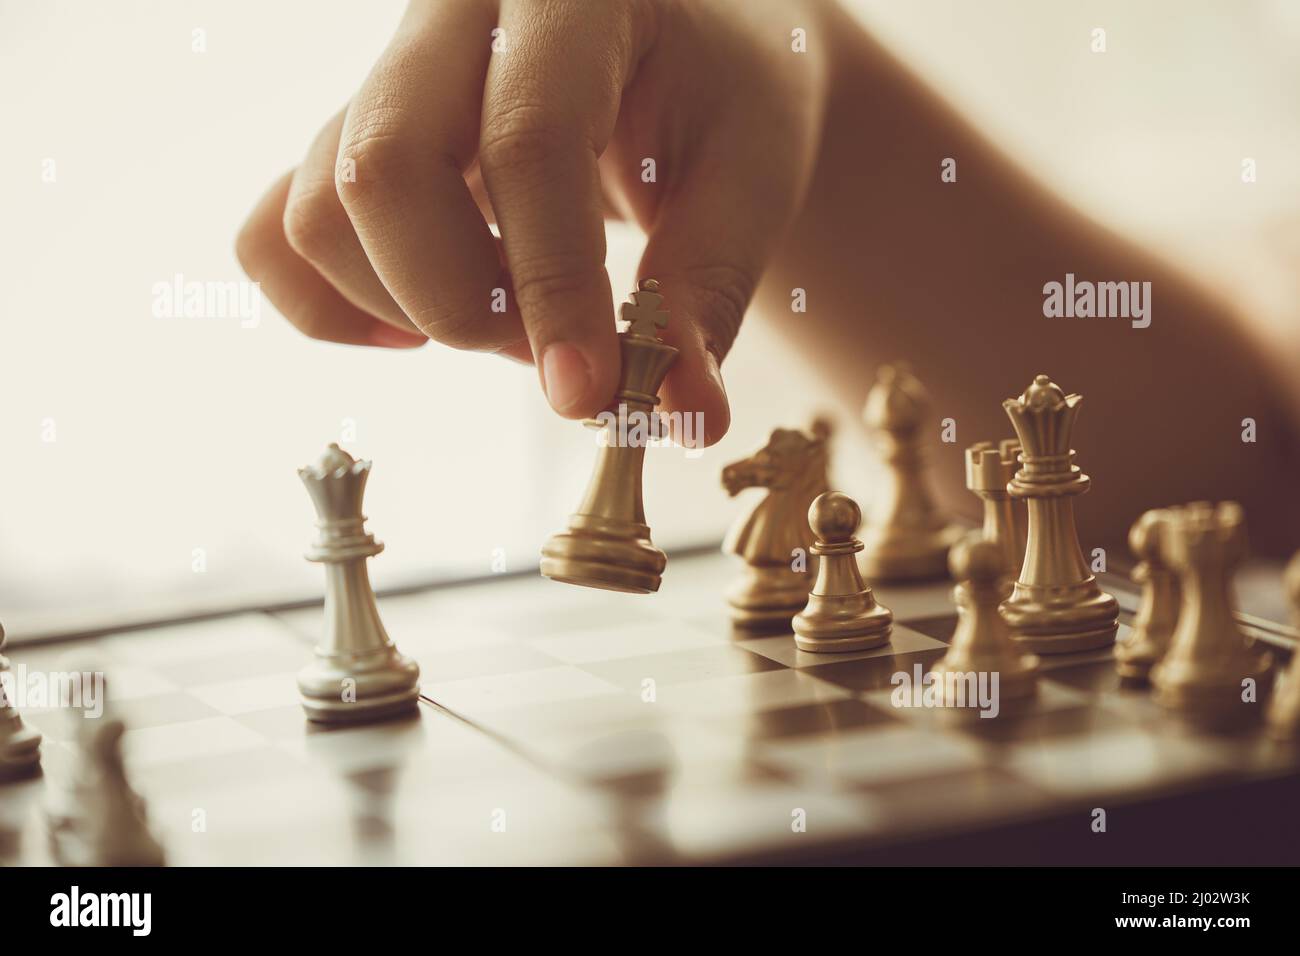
[357,674]
[607,544]
[907,538]
[772,537]
[1056,605]
[1212,675]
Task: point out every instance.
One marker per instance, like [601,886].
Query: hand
[546,117]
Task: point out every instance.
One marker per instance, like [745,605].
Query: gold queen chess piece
[773,534]
[1056,605]
[358,674]
[607,544]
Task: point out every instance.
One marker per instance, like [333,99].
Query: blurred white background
[129,441]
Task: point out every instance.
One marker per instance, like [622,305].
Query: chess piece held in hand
[607,543]
[20,745]
[1211,675]
[1284,712]
[982,643]
[906,538]
[773,534]
[358,674]
[1157,615]
[1056,605]
[842,613]
[96,818]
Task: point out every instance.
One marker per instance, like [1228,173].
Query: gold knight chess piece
[1157,615]
[842,613]
[1210,664]
[357,674]
[1284,712]
[907,538]
[1056,605]
[607,543]
[773,535]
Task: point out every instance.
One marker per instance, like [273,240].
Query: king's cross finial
[643,315]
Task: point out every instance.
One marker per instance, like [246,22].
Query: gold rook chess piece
[842,614]
[907,538]
[772,535]
[1211,675]
[1157,615]
[1284,713]
[607,544]
[989,469]
[20,745]
[1056,605]
[358,674]
[982,643]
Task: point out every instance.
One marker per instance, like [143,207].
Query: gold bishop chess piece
[772,537]
[907,538]
[20,745]
[1211,675]
[357,674]
[842,613]
[1056,605]
[1157,614]
[989,469]
[1284,712]
[607,544]
[982,644]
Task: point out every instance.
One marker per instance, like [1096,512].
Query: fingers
[708,245]
[411,132]
[303,297]
[318,229]
[550,104]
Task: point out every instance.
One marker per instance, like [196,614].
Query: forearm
[898,264]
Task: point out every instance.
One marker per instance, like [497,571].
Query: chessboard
[571,726]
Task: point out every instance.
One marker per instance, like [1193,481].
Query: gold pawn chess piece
[989,469]
[20,745]
[982,643]
[907,538]
[1157,615]
[773,535]
[1056,605]
[607,544]
[1210,663]
[841,614]
[358,674]
[1284,712]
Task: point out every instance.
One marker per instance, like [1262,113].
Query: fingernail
[565,376]
[386,336]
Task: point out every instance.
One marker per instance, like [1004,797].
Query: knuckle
[311,224]
[554,277]
[518,138]
[453,324]
[723,293]
[383,165]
